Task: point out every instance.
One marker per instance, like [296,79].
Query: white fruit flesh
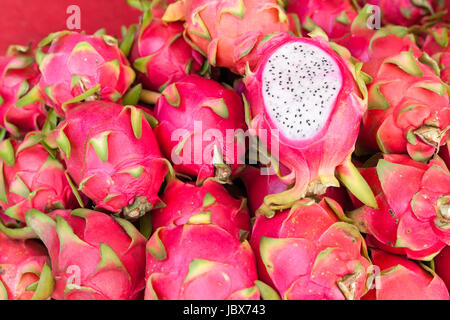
[301,83]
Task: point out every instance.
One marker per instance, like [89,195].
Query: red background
[29,21]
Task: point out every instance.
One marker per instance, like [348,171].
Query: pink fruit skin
[259,185]
[216,110]
[326,14]
[199,262]
[15,73]
[371,50]
[102,255]
[440,51]
[341,196]
[133,166]
[211,198]
[403,104]
[442,263]
[304,252]
[45,186]
[402,279]
[394,11]
[21,262]
[309,159]
[408,196]
[228,32]
[170,56]
[445,154]
[95,59]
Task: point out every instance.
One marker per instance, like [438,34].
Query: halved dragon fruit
[309,101]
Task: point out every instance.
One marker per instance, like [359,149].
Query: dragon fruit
[402,12]
[333,17]
[304,96]
[161,54]
[113,157]
[372,46]
[228,31]
[216,267]
[306,253]
[32,179]
[77,67]
[413,200]
[409,109]
[258,186]
[18,73]
[198,131]
[210,203]
[24,270]
[442,263]
[93,255]
[437,46]
[401,279]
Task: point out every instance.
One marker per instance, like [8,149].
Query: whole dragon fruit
[77,67]
[308,254]
[113,156]
[397,278]
[216,265]
[19,73]
[24,270]
[304,98]
[403,12]
[373,45]
[93,255]
[198,123]
[442,263]
[409,109]
[229,31]
[209,203]
[32,178]
[413,200]
[333,17]
[161,55]
[437,46]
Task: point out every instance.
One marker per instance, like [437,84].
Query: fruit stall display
[226,149]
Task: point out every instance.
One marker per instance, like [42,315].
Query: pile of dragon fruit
[231,149]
